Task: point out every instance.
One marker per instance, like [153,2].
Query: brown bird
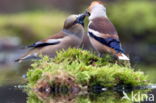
[102,33]
[70,37]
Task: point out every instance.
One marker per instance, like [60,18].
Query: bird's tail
[18,60]
[29,57]
[122,56]
[21,59]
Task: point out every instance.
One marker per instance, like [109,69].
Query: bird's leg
[116,62]
[100,54]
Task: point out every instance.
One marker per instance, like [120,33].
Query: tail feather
[27,57]
[18,60]
[122,56]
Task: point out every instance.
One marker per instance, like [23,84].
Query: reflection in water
[109,96]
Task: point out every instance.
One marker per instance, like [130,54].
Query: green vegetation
[85,68]
[134,19]
[34,24]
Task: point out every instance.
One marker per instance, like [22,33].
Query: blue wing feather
[110,42]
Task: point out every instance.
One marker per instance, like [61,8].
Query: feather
[41,44]
[103,25]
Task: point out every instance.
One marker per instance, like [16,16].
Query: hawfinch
[102,33]
[71,36]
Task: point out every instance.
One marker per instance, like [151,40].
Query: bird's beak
[87,13]
[80,18]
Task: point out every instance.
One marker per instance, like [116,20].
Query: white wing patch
[53,40]
[96,33]
[47,42]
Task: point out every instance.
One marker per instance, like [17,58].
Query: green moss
[33,99]
[87,68]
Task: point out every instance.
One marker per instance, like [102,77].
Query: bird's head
[96,8]
[74,20]
[74,24]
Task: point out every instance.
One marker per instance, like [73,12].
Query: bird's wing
[110,42]
[104,26]
[53,40]
[102,30]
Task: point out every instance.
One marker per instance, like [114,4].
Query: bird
[70,36]
[102,33]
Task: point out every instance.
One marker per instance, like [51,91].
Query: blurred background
[23,22]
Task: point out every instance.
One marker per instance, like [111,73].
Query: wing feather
[52,40]
[110,42]
[104,26]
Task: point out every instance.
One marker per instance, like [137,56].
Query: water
[9,94]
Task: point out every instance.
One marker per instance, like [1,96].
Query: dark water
[10,94]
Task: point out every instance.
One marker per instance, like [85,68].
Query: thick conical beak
[87,13]
[80,18]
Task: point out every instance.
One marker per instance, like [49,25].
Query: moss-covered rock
[76,70]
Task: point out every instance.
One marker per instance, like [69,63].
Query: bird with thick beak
[70,37]
[102,33]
